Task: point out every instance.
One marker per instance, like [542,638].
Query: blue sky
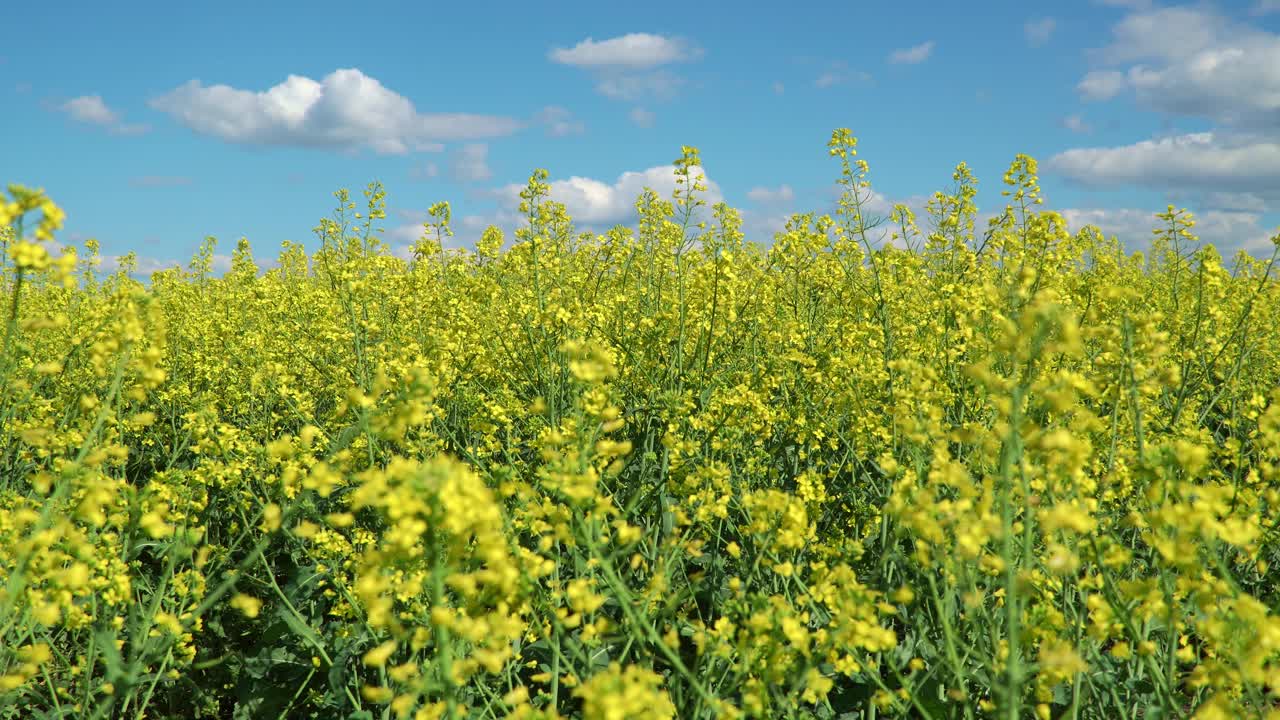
[155,124]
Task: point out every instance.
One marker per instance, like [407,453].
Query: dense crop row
[1004,473]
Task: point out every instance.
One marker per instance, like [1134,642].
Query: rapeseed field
[868,470]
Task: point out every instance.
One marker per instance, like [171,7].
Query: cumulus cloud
[912,55]
[1208,160]
[594,205]
[600,203]
[1228,231]
[1237,86]
[1192,62]
[470,163]
[1130,225]
[1039,31]
[628,67]
[467,229]
[346,110]
[1167,34]
[633,51]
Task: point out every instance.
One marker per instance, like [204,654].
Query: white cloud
[1242,201]
[346,110]
[1207,160]
[1039,31]
[912,55]
[1228,231]
[407,233]
[1101,84]
[1131,226]
[466,229]
[558,121]
[1232,85]
[93,110]
[876,208]
[760,227]
[595,206]
[779,88]
[642,117]
[624,67]
[660,85]
[634,51]
[90,109]
[470,163]
[1167,34]
[1192,62]
[771,196]
[593,202]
